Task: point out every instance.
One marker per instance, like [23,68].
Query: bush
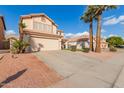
[66,49]
[112,49]
[19,46]
[86,50]
[115,41]
[79,50]
[73,48]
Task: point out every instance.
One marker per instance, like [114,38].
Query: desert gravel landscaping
[25,71]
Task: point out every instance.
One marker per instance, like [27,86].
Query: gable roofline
[76,39]
[37,15]
[3,21]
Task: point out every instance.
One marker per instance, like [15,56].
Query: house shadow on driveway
[13,77]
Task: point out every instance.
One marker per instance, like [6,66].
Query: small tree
[19,46]
[115,41]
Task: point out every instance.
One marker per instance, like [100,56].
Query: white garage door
[44,44]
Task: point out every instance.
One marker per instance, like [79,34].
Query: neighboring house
[11,38]
[103,45]
[83,42]
[80,42]
[2,29]
[42,32]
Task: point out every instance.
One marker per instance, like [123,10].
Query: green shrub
[115,41]
[112,49]
[73,48]
[86,50]
[66,49]
[79,50]
[19,46]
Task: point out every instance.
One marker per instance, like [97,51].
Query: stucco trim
[60,31]
[32,32]
[34,36]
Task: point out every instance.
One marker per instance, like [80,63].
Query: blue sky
[67,17]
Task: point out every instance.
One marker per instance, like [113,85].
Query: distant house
[79,42]
[83,42]
[2,30]
[11,38]
[42,32]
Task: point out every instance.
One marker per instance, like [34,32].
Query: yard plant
[19,46]
[112,49]
[86,50]
[115,41]
[73,48]
[95,12]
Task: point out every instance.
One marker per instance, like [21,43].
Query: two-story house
[42,32]
[2,29]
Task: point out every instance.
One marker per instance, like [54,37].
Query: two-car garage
[43,41]
[39,44]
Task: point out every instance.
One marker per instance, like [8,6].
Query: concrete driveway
[83,71]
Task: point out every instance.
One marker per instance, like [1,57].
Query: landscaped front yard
[62,69]
[25,70]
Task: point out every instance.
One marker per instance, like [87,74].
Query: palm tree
[88,18]
[21,27]
[99,9]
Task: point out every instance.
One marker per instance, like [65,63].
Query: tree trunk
[98,35]
[91,34]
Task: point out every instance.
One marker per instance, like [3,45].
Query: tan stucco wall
[29,24]
[38,19]
[79,44]
[54,29]
[45,44]
[104,45]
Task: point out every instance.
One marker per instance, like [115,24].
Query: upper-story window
[42,27]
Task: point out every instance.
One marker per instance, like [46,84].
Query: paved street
[83,70]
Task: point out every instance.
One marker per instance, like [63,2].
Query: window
[42,27]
